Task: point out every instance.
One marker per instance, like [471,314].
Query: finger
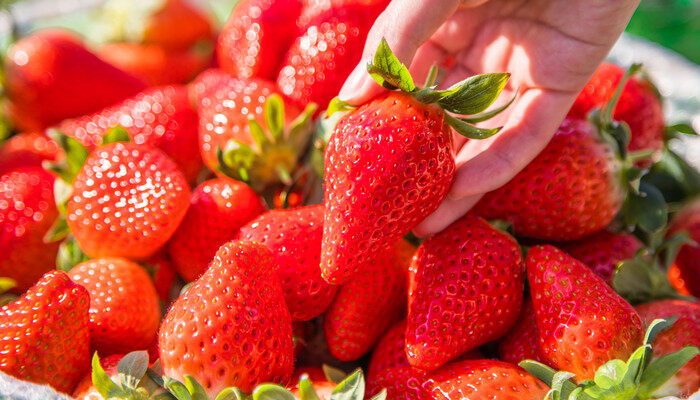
[449,211]
[531,124]
[405,24]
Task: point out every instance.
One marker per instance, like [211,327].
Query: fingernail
[355,82]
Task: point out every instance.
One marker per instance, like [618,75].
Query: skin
[551,48]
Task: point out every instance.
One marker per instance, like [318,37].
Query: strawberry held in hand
[390,163]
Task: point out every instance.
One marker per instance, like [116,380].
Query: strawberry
[256,37]
[588,324]
[27,212]
[603,251]
[401,383]
[368,304]
[676,281]
[389,163]
[51,76]
[294,238]
[44,334]
[639,105]
[688,259]
[466,290]
[86,389]
[218,208]
[161,117]
[231,327]
[522,341]
[684,332]
[232,141]
[163,275]
[206,83]
[124,308]
[156,65]
[27,149]
[314,373]
[330,46]
[127,201]
[484,379]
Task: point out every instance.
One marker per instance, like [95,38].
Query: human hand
[550,47]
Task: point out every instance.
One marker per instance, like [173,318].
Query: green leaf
[468,130]
[178,389]
[268,391]
[62,192]
[231,393]
[69,254]
[274,116]
[115,134]
[671,246]
[432,76]
[333,374]
[609,108]
[351,388]
[162,396]
[379,396]
[259,137]
[662,369]
[475,94]
[58,231]
[132,368]
[337,105]
[539,371]
[672,131]
[657,326]
[75,152]
[155,373]
[472,119]
[102,382]
[674,177]
[645,209]
[195,389]
[610,374]
[306,389]
[633,368]
[388,71]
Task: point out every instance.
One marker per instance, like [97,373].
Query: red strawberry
[684,332]
[676,280]
[389,163]
[86,389]
[27,150]
[322,387]
[572,189]
[161,117]
[466,290]
[484,379]
[205,83]
[331,45]
[401,383]
[218,208]
[51,76]
[127,201]
[368,304]
[688,259]
[314,373]
[231,328]
[124,308]
[639,105]
[27,212]
[294,238]
[603,251]
[44,335]
[163,274]
[522,341]
[587,323]
[256,36]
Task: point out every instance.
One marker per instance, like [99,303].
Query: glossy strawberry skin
[86,390]
[124,308]
[466,289]
[28,149]
[232,327]
[205,83]
[322,57]
[256,37]
[51,76]
[588,324]
[225,112]
[523,339]
[161,117]
[484,379]
[639,106]
[368,304]
[401,383]
[572,189]
[27,212]
[44,335]
[135,219]
[684,332]
[218,208]
[688,259]
[294,238]
[388,165]
[603,251]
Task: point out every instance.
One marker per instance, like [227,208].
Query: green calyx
[636,379]
[275,155]
[464,103]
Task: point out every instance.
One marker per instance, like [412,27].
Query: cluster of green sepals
[274,158]
[637,379]
[464,103]
[136,381]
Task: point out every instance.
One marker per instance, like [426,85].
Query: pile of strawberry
[225,239]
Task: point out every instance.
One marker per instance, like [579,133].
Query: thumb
[405,24]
